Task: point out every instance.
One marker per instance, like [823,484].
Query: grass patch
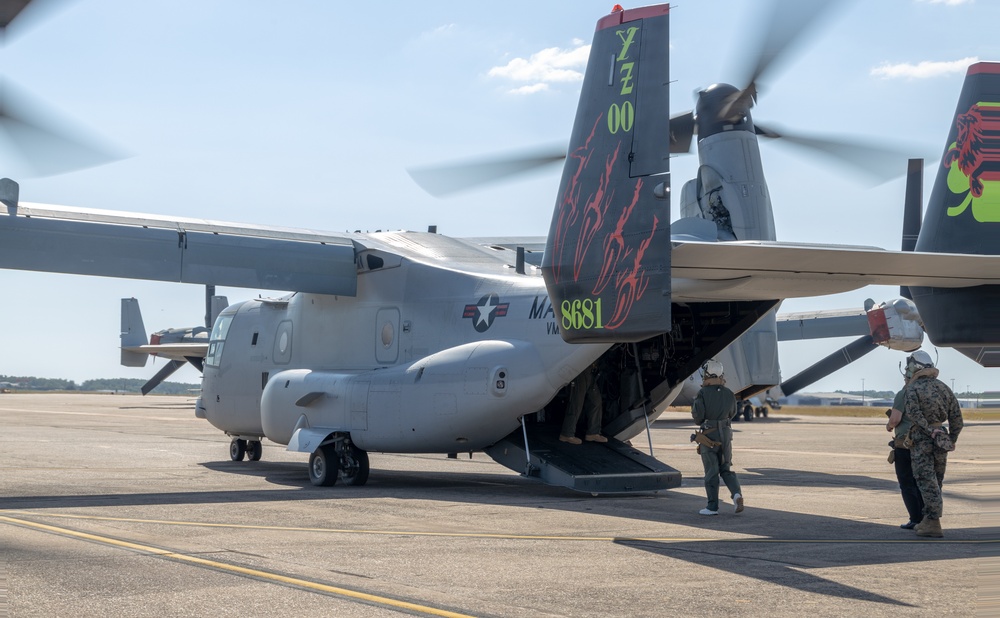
[845,411]
[976,414]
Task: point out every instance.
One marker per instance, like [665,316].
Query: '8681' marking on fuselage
[581,314]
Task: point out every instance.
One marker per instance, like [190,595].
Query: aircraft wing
[760,270]
[137,246]
[172,351]
[822,324]
[754,270]
[534,246]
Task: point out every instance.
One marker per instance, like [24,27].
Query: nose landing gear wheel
[354,466]
[254,450]
[237,449]
[323,466]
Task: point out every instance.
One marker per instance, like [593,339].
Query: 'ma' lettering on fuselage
[542,309]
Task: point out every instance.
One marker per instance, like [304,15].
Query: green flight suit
[713,409]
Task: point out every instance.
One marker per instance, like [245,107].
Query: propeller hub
[715,112]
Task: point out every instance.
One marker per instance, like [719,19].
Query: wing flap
[172,351]
[760,271]
[107,244]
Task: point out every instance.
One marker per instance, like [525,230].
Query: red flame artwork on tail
[593,213]
[567,207]
[631,285]
[600,256]
[615,250]
[969,150]
[581,219]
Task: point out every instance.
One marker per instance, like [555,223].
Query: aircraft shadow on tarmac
[293,475]
[807,478]
[819,480]
[476,487]
[777,567]
[779,548]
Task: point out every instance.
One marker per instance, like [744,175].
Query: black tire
[354,466]
[764,411]
[237,449]
[254,450]
[323,466]
[748,413]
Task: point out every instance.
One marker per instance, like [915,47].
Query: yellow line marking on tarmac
[144,417]
[222,566]
[488,535]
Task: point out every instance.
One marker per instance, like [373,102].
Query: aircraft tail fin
[133,334]
[607,257]
[215,306]
[964,210]
[913,204]
[963,216]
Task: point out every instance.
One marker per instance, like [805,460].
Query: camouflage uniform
[929,401]
[713,409]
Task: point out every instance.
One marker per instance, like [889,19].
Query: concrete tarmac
[129,506]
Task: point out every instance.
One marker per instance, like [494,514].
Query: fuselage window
[218,339]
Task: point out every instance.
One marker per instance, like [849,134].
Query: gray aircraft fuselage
[462,353]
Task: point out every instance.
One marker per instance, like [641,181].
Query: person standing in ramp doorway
[584,394]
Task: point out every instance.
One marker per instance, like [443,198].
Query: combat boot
[929,527]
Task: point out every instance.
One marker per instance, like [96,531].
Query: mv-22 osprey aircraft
[416,342]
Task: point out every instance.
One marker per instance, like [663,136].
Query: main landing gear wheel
[354,467]
[237,449]
[254,450]
[323,466]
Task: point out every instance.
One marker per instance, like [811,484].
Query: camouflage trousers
[928,470]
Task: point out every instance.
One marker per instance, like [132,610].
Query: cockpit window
[218,339]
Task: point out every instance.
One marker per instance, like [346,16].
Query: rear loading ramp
[612,467]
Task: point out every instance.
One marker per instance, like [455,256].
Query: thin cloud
[923,70]
[550,66]
[441,30]
[947,2]
[532,89]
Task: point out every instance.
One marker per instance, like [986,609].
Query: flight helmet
[711,369]
[917,361]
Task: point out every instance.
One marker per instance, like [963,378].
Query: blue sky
[308,116]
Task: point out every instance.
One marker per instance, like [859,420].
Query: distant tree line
[127,385]
[871,394]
